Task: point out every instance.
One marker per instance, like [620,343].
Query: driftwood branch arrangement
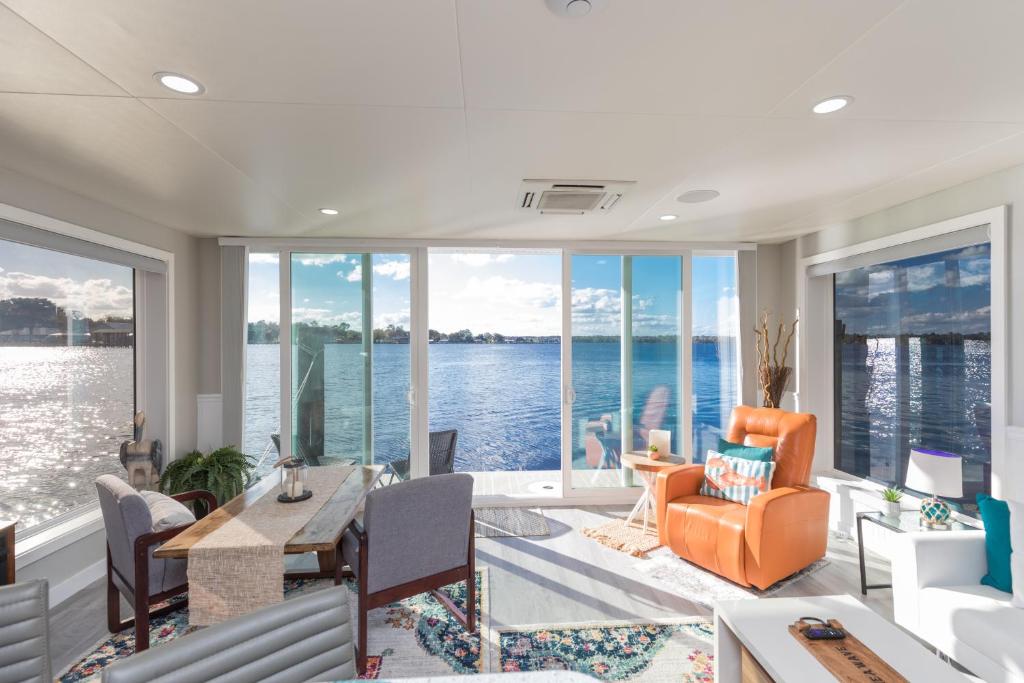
[772,371]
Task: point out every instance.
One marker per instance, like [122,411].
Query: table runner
[240,566]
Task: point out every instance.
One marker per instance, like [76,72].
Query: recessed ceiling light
[832,104]
[697,196]
[329,212]
[179,83]
[668,217]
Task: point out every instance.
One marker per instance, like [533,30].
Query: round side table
[647,470]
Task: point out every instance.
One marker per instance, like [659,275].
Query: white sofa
[937,595]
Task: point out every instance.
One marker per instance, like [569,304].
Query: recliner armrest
[786,505]
[931,559]
[673,482]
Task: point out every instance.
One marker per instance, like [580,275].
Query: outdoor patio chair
[442,456]
[416,536]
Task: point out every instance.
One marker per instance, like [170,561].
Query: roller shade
[931,245]
[36,237]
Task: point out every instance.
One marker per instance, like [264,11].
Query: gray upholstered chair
[416,536]
[25,633]
[308,638]
[136,523]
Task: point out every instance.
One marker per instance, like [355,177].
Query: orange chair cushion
[792,436]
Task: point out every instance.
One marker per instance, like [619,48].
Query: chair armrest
[803,507]
[206,496]
[673,482]
[931,559]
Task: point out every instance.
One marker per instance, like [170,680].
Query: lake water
[64,412]
[502,398]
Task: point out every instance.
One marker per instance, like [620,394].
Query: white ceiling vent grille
[571,196]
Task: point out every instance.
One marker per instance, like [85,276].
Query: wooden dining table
[322,534]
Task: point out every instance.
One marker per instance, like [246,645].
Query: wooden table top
[640,461]
[320,534]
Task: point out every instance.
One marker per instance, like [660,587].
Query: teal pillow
[738,450]
[996,516]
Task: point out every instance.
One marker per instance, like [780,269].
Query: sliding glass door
[626,363]
[350,358]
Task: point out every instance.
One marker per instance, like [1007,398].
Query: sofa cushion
[981,617]
[735,479]
[167,513]
[709,532]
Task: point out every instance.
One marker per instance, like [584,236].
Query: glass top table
[908,521]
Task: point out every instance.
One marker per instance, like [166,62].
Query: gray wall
[33,195]
[209,316]
[776,294]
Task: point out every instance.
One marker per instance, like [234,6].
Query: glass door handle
[570,395]
[410,396]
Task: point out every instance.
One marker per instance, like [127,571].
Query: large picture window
[67,378]
[913,362]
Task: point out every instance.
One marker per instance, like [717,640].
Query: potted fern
[892,498]
[225,473]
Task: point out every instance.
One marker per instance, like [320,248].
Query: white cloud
[326,316]
[322,259]
[92,298]
[398,270]
[397,318]
[355,275]
[263,258]
[495,304]
[478,260]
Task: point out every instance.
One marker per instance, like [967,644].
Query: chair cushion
[735,479]
[738,450]
[167,513]
[709,532]
[979,616]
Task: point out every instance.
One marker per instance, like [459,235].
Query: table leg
[860,553]
[327,561]
[640,504]
[727,653]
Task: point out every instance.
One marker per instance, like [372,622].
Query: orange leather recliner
[780,532]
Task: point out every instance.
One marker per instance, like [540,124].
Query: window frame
[50,536]
[816,366]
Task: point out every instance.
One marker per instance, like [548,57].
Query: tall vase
[773,382]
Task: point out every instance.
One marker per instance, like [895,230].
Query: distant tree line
[40,321]
[264,332]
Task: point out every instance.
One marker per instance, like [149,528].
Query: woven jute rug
[239,567]
[500,522]
[628,538]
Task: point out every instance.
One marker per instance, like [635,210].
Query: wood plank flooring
[561,578]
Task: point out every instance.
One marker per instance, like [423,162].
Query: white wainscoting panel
[1013,477]
[209,423]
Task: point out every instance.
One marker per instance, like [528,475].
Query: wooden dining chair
[416,536]
[136,523]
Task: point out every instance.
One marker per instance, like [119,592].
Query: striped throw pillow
[735,479]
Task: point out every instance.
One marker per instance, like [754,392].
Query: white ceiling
[419,119]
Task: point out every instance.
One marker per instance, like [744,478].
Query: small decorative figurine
[142,458]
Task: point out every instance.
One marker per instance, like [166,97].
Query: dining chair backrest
[442,451]
[25,632]
[417,528]
[126,516]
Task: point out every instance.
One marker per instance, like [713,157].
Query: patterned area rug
[499,522]
[628,538]
[701,586]
[680,650]
[412,637]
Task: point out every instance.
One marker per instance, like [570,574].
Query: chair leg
[113,606]
[361,636]
[141,624]
[471,577]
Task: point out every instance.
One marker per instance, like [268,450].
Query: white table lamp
[939,474]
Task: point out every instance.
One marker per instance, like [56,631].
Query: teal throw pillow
[996,516]
[738,450]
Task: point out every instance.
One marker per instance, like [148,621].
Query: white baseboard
[78,582]
[209,422]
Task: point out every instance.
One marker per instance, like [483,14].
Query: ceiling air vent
[571,196]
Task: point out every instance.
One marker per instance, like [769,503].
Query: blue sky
[510,293]
[92,288]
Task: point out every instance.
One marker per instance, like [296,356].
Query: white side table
[647,470]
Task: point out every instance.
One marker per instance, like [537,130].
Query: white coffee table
[761,628]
